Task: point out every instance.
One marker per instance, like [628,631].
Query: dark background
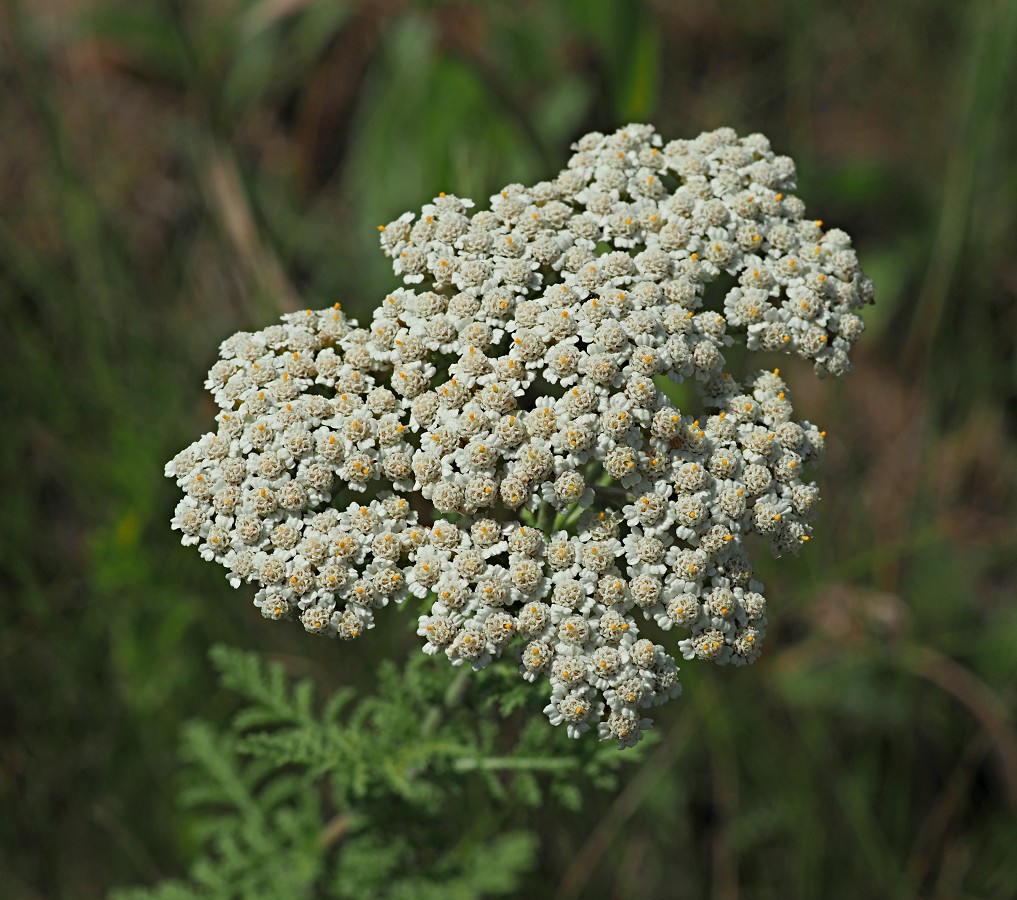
[172,172]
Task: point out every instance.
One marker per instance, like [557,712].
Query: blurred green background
[172,172]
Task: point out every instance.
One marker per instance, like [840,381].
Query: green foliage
[346,801]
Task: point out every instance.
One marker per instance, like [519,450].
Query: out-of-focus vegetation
[172,172]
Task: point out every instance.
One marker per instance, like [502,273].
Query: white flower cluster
[514,384]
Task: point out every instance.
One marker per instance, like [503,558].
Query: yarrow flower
[498,441]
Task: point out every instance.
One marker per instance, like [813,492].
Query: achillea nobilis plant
[499,442]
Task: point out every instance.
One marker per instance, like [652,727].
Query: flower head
[449,448]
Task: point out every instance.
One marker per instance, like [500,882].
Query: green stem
[454,695]
[567,519]
[611,495]
[506,763]
[545,517]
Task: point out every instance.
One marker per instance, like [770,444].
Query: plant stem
[503,763]
[545,517]
[454,695]
[611,494]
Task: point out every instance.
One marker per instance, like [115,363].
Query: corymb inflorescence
[499,442]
